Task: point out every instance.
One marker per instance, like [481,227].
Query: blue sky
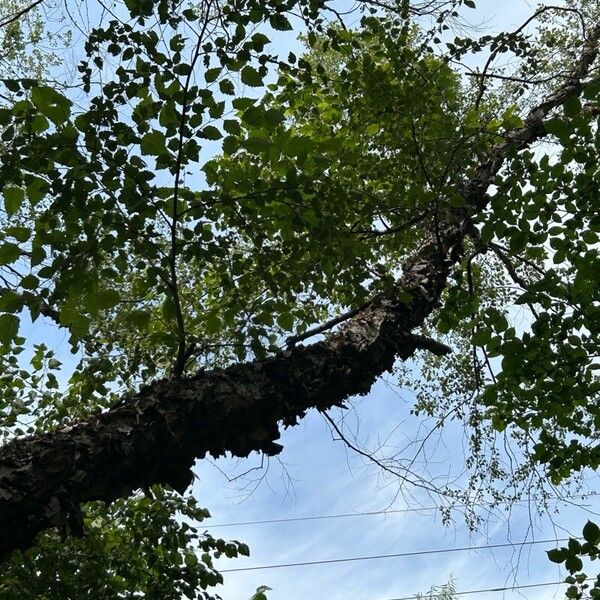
[329,480]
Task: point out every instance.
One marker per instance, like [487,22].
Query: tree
[441,592]
[381,198]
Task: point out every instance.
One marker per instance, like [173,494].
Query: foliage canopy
[202,207]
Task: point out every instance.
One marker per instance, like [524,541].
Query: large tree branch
[156,435]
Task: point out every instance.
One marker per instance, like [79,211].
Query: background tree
[377,198]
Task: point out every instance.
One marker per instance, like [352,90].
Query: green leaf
[11,301]
[242,103]
[138,318]
[285,321]
[9,253]
[232,126]
[573,564]
[191,559]
[260,593]
[30,282]
[557,555]
[298,145]
[13,198]
[518,241]
[168,116]
[230,145]
[226,86]
[9,327]
[36,190]
[103,300]
[251,77]
[211,74]
[212,323]
[21,234]
[153,143]
[559,128]
[51,103]
[481,337]
[256,145]
[169,308]
[280,22]
[591,533]
[210,132]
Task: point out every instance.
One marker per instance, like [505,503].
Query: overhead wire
[485,591]
[396,555]
[370,513]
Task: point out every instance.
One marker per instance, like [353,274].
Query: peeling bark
[156,435]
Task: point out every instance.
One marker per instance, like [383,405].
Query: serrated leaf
[21,234]
[139,318]
[285,321]
[251,77]
[256,145]
[168,116]
[9,327]
[51,103]
[559,128]
[211,74]
[212,323]
[242,103]
[13,198]
[210,132]
[9,253]
[280,22]
[232,126]
[153,143]
[226,86]
[11,301]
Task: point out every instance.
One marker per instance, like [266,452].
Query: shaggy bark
[156,435]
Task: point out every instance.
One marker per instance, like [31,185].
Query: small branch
[19,14]
[513,273]
[397,229]
[495,53]
[294,339]
[384,467]
[182,350]
[513,78]
[420,157]
[422,342]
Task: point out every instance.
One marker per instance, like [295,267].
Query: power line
[488,590]
[365,513]
[398,555]
[318,517]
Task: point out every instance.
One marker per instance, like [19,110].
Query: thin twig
[19,14]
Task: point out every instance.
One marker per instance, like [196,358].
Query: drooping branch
[156,435]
